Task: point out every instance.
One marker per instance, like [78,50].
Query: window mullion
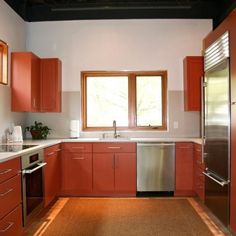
[132,100]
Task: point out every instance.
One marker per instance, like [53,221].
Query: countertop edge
[5,156]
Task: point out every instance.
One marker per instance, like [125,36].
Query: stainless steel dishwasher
[155,167]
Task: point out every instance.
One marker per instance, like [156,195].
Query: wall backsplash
[188,122]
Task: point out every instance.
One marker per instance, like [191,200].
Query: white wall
[13,32]
[118,45]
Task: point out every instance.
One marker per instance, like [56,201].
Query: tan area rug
[126,217]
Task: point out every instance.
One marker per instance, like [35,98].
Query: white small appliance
[17,134]
[74,129]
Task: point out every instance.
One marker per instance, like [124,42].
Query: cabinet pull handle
[184,147]
[78,158]
[77,147]
[58,150]
[198,150]
[5,171]
[34,102]
[51,153]
[4,194]
[10,224]
[233,103]
[113,162]
[114,147]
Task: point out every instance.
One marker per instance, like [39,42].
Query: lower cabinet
[199,179]
[184,169]
[10,198]
[77,174]
[77,169]
[52,173]
[114,172]
[11,224]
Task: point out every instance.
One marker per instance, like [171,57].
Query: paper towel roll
[74,129]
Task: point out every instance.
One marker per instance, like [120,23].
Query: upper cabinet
[50,85]
[193,72]
[35,82]
[25,83]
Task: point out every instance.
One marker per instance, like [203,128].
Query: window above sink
[136,100]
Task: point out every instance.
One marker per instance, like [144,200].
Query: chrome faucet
[115,132]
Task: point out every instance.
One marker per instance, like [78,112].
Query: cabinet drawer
[10,194]
[77,147]
[11,224]
[9,168]
[114,147]
[50,151]
[184,145]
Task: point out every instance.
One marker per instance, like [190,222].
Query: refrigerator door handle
[214,178]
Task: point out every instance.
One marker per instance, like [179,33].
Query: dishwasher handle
[155,144]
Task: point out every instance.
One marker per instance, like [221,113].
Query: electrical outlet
[176,125]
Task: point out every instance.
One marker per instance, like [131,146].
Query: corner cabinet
[52,173]
[25,82]
[50,85]
[114,169]
[35,83]
[184,169]
[193,72]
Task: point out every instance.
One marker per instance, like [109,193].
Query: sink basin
[115,139]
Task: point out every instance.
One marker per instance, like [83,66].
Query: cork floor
[39,225]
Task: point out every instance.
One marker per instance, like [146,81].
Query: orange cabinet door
[52,173]
[103,173]
[25,82]
[77,173]
[9,168]
[11,224]
[125,173]
[10,195]
[193,72]
[50,85]
[184,169]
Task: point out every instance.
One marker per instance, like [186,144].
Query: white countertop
[4,156]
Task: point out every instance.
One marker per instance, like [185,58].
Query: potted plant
[38,130]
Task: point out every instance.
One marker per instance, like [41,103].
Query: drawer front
[11,224]
[184,145]
[9,168]
[114,147]
[10,195]
[50,151]
[77,147]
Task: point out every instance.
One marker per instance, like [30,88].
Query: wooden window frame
[132,114]
[4,63]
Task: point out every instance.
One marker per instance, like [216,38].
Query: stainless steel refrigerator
[216,150]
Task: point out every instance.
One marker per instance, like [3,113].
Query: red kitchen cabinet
[193,72]
[184,169]
[125,173]
[77,169]
[52,173]
[25,82]
[199,179]
[50,85]
[103,173]
[114,169]
[10,198]
[11,224]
